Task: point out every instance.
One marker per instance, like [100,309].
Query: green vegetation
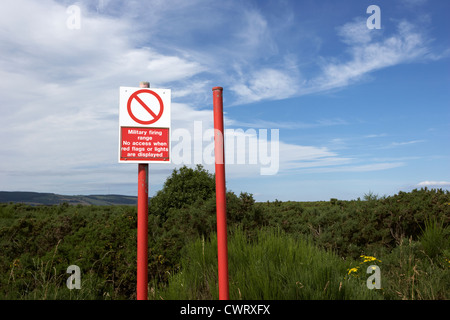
[277,250]
[274,265]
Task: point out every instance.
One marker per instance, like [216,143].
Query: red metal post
[142,233]
[222,247]
[142,227]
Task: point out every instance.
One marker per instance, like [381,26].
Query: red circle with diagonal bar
[135,96]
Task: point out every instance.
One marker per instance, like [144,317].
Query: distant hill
[37,198]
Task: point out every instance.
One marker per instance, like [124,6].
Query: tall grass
[420,270]
[435,238]
[272,266]
[44,282]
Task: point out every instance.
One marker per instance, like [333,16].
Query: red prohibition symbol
[135,96]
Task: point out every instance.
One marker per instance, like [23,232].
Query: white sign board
[144,125]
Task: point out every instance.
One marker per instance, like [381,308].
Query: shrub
[183,188]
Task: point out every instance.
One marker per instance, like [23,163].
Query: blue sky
[358,110]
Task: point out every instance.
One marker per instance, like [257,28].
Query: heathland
[277,250]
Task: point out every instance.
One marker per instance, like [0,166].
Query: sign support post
[222,247]
[144,137]
[142,232]
[142,227]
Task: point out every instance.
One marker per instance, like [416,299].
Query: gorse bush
[43,241]
[353,228]
[183,188]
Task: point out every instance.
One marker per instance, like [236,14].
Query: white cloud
[434,184]
[266,84]
[356,32]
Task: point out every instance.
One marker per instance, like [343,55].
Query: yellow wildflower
[353,270]
[369,259]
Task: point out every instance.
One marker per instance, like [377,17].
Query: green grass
[435,238]
[274,265]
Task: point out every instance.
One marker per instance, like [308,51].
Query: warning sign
[144,125]
[144,144]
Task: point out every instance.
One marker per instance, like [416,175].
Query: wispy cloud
[266,84]
[287,125]
[358,168]
[413,3]
[405,143]
[368,51]
[379,135]
[368,54]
